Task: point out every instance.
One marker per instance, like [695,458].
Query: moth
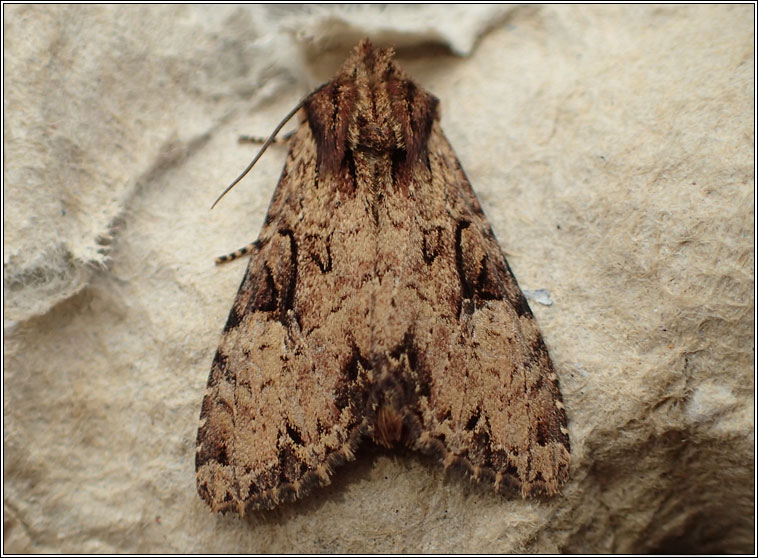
[376,305]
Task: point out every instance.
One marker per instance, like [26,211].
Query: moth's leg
[260,139]
[253,245]
[237,253]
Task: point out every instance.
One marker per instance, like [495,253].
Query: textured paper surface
[611,149]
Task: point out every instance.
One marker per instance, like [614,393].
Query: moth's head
[370,105]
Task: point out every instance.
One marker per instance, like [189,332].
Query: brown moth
[377,305]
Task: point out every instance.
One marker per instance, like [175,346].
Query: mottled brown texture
[377,304]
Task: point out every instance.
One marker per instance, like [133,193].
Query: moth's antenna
[268,142]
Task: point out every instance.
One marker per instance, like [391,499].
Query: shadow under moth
[376,305]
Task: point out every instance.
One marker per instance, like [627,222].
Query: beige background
[612,150]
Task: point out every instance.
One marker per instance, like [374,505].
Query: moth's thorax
[371,105]
[374,137]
